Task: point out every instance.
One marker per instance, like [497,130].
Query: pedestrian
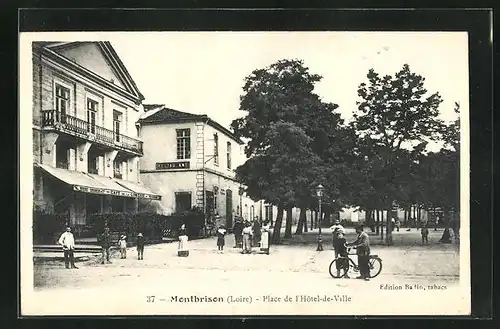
[123,246]
[105,242]
[221,236]
[140,246]
[265,237]
[341,250]
[362,245]
[183,250]
[336,228]
[398,225]
[256,229]
[238,232]
[436,223]
[425,234]
[393,224]
[247,238]
[446,237]
[67,241]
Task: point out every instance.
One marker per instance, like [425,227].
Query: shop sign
[172,165]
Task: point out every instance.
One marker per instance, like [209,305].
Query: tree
[395,117]
[289,130]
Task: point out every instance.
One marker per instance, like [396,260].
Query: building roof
[159,114]
[54,49]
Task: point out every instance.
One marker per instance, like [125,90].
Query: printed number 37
[150,299]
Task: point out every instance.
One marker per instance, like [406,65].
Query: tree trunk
[377,225]
[388,227]
[305,219]
[277,226]
[302,221]
[405,221]
[288,223]
[381,224]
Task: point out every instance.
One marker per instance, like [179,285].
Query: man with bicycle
[362,245]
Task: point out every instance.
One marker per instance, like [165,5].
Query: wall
[160,144]
[167,183]
[236,158]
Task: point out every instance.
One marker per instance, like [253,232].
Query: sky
[203,72]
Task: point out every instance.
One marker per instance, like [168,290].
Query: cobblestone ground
[296,265]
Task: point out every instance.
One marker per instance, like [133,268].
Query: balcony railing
[81,128]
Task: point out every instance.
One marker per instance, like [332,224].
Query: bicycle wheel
[336,269]
[375,266]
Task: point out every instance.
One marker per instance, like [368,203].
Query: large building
[86,146]
[190,160]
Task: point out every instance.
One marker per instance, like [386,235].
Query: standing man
[105,242]
[247,238]
[336,229]
[67,241]
[238,232]
[362,245]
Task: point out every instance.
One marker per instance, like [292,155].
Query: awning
[141,191]
[112,187]
[86,183]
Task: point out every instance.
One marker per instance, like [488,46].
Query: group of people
[67,241]
[362,246]
[248,235]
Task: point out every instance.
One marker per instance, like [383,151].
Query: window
[93,164]
[182,201]
[117,118]
[228,155]
[216,149]
[62,102]
[183,143]
[92,107]
[117,169]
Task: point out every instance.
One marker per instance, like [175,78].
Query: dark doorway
[182,201]
[229,208]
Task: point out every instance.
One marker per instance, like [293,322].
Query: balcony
[51,119]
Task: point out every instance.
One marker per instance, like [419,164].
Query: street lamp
[319,194]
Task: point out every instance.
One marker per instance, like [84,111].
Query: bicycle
[375,264]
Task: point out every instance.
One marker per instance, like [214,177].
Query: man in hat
[247,238]
[336,229]
[362,245]
[105,242]
[67,241]
[140,246]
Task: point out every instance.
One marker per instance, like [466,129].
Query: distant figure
[238,232]
[67,241]
[123,246]
[425,234]
[256,232]
[247,238]
[393,224]
[336,228]
[436,223]
[221,234]
[265,237]
[398,225]
[183,250]
[446,237]
[362,245]
[140,246]
[105,243]
[341,250]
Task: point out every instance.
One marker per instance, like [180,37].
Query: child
[341,250]
[140,246]
[123,246]
[425,233]
[221,233]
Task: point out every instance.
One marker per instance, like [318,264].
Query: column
[109,157]
[82,151]
[100,165]
[132,174]
[125,172]
[49,148]
[72,159]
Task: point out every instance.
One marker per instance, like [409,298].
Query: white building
[190,160]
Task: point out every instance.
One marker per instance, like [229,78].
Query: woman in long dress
[183,250]
[247,239]
[265,237]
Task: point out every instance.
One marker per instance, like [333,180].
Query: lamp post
[319,193]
